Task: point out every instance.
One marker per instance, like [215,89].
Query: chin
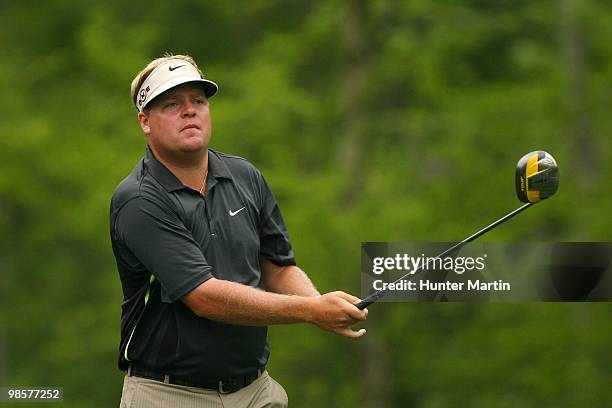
[193,144]
[192,149]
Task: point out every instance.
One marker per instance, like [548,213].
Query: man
[204,259]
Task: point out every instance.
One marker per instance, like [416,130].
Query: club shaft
[379,294]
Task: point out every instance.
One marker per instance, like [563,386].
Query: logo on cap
[143,95]
[173,68]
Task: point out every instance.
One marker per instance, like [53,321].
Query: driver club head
[537,177]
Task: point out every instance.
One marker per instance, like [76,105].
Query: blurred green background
[372,121]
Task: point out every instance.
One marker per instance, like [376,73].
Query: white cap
[168,75]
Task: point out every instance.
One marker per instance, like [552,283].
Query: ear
[143,120]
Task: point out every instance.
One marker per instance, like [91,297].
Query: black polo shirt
[167,240]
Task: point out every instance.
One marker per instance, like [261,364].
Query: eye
[200,101]
[170,105]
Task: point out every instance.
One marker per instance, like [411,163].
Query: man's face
[178,121]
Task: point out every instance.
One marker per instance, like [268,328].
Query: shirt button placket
[213,233]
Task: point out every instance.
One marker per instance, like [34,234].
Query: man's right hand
[336,312]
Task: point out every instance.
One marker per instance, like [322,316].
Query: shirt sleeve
[157,237]
[275,244]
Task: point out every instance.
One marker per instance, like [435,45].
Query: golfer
[204,259]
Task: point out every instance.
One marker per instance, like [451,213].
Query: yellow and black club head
[537,177]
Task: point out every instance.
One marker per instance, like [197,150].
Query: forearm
[290,280]
[235,303]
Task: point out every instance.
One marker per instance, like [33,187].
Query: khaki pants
[144,393]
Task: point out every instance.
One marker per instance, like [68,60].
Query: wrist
[310,308]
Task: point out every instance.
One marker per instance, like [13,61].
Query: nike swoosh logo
[173,68]
[232,213]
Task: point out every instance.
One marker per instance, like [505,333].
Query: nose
[189,110]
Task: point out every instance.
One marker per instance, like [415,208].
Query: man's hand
[336,312]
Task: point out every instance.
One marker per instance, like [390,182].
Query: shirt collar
[216,169]
[216,166]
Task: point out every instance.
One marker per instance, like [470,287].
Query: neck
[189,170]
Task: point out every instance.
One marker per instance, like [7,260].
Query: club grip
[363,304]
[370,299]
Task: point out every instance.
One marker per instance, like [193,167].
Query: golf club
[537,178]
